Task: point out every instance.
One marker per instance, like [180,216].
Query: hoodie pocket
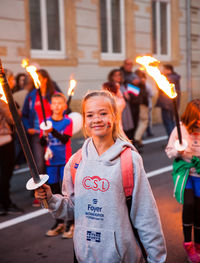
[94,245]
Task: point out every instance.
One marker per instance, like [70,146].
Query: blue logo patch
[76,165]
[93,236]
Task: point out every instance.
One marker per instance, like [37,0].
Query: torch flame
[24,63]
[72,85]
[2,95]
[151,66]
[32,71]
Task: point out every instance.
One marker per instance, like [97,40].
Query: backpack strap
[75,163]
[127,171]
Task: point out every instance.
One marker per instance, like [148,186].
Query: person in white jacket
[190,130]
[103,230]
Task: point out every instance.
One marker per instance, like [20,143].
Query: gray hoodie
[103,232]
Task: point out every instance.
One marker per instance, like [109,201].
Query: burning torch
[151,66]
[37,179]
[70,93]
[31,69]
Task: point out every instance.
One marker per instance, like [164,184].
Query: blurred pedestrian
[143,110]
[165,103]
[116,76]
[130,78]
[103,225]
[186,176]
[19,80]
[150,93]
[7,160]
[57,153]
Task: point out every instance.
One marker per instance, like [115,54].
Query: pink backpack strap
[75,163]
[127,171]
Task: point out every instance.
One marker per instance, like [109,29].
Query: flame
[151,66]
[72,86]
[24,63]
[2,94]
[32,71]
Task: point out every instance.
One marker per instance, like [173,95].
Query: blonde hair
[117,132]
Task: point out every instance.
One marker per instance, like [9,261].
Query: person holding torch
[186,176]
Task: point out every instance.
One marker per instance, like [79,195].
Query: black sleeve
[43,141]
[64,138]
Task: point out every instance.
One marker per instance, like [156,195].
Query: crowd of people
[115,121]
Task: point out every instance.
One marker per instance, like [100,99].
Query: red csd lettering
[96,183]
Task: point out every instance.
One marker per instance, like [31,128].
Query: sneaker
[14,209]
[193,257]
[197,248]
[36,203]
[57,229]
[69,233]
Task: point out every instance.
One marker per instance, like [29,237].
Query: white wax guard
[181,147]
[31,185]
[47,126]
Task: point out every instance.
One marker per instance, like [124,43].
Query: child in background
[58,152]
[188,161]
[107,235]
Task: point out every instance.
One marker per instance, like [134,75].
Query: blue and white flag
[133,89]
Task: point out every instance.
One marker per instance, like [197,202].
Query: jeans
[168,120]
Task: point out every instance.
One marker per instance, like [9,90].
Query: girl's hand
[44,192]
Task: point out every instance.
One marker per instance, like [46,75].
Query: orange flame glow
[151,66]
[2,94]
[32,71]
[72,86]
[24,63]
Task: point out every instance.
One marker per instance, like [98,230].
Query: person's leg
[168,120]
[143,123]
[54,183]
[188,221]
[7,166]
[135,110]
[149,127]
[188,214]
[38,153]
[196,184]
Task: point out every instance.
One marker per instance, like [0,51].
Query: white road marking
[157,139]
[160,171]
[23,218]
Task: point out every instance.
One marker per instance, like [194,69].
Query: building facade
[88,38]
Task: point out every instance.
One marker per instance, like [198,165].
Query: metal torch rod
[42,105]
[177,121]
[19,126]
[69,100]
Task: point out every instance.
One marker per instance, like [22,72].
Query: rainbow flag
[133,89]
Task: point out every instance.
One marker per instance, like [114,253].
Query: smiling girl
[103,226]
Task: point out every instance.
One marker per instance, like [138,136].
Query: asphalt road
[25,242]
